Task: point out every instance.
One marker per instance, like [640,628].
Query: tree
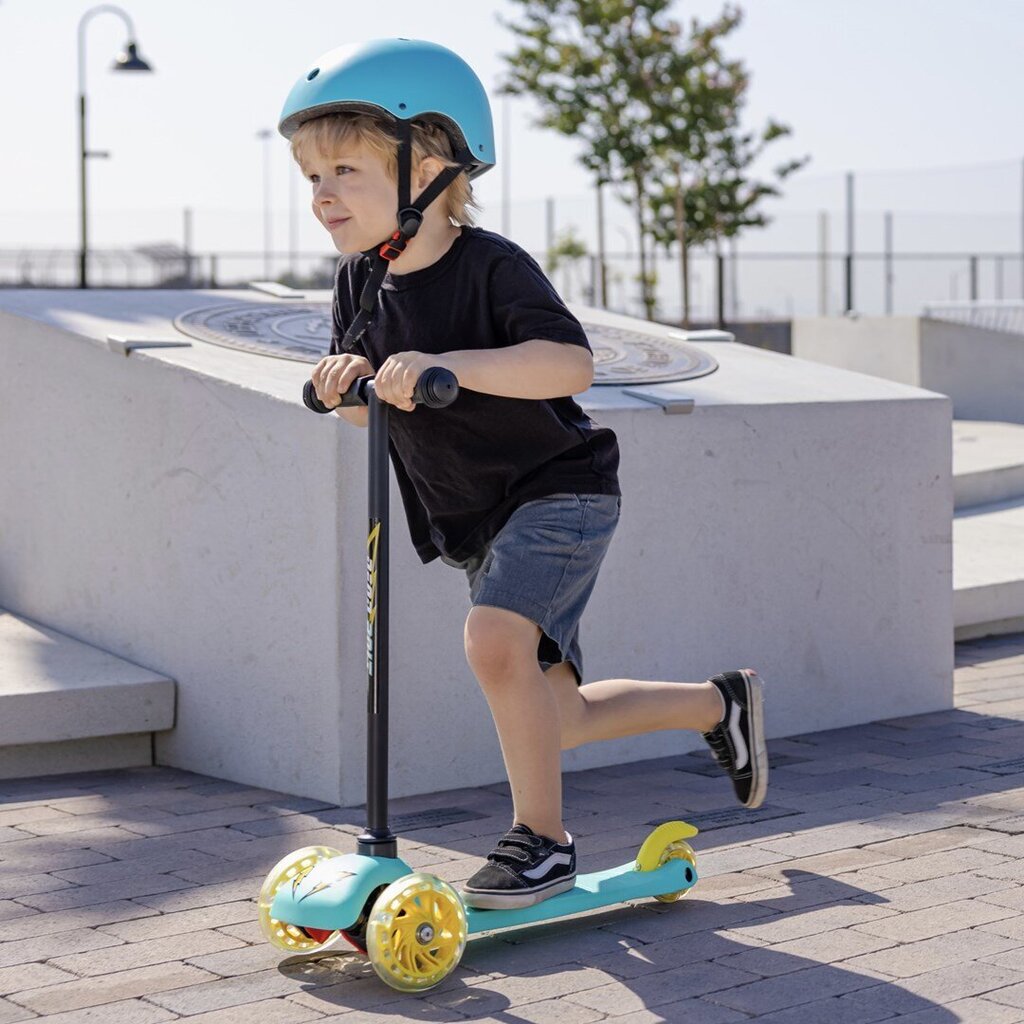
[566,252]
[619,76]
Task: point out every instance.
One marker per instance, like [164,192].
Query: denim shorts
[543,565]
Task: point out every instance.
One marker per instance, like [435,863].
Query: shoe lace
[719,748]
[512,848]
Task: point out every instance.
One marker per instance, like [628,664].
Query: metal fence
[735,286]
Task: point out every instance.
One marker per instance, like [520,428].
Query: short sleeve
[525,305]
[342,309]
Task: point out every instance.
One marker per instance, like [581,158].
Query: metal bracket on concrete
[119,343]
[711,334]
[280,291]
[672,404]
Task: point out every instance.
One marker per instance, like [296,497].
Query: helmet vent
[312,74]
[401,106]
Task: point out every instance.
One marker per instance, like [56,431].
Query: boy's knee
[498,640]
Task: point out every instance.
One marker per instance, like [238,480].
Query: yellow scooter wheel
[667,842]
[416,932]
[287,870]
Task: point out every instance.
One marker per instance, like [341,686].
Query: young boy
[513,482]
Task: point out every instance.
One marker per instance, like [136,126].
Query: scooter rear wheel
[665,844]
[417,932]
[290,937]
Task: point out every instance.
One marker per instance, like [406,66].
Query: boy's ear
[429,168]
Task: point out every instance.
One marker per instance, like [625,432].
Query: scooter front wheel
[290,937]
[417,932]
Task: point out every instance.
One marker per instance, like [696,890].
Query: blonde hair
[329,133]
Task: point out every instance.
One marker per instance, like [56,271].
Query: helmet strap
[410,217]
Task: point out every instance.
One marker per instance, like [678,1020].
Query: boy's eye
[314,178]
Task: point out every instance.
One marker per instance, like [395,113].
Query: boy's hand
[333,376]
[396,379]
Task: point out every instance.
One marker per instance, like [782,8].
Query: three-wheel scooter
[412,925]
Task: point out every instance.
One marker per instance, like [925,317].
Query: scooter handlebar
[436,388]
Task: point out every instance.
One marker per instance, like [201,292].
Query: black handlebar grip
[309,397]
[436,388]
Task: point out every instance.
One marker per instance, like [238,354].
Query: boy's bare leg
[612,708]
[501,647]
[539,714]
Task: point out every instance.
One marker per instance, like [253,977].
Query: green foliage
[649,102]
[568,248]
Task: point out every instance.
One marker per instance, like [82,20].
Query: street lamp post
[127,61]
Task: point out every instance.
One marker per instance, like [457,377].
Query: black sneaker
[523,869]
[738,740]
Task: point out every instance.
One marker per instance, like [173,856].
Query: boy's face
[353,197]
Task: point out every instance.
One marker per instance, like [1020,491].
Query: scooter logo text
[372,549]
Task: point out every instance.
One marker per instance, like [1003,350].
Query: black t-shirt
[463,470]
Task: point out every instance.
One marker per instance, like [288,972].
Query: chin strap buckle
[394,246]
[409,221]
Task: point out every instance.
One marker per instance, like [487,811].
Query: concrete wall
[982,370]
[883,346]
[182,509]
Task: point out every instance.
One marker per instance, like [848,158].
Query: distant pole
[188,245]
[266,134]
[602,266]
[720,287]
[973,277]
[888,263]
[734,279]
[506,152]
[549,205]
[849,243]
[1022,232]
[293,224]
[822,263]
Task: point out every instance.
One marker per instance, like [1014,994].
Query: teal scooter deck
[598,889]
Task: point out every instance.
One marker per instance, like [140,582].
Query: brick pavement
[883,880]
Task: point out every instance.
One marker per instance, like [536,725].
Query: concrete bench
[67,706]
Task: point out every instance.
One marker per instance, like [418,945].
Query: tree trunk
[684,268]
[645,295]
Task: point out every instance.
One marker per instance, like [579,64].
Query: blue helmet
[399,80]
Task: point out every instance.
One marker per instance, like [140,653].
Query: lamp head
[130,60]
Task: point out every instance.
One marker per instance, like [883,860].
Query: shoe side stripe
[552,860]
[736,734]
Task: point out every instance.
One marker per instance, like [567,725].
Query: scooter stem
[377,840]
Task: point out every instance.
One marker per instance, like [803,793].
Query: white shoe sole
[758,749]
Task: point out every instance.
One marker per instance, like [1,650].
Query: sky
[920,98]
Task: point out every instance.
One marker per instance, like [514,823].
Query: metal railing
[1007,315]
[734,286]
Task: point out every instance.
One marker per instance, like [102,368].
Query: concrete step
[988,462]
[988,569]
[67,706]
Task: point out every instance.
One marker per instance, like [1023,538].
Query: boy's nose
[322,193]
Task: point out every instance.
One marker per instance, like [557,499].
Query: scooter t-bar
[436,388]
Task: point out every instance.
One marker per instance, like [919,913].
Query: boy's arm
[358,415]
[531,369]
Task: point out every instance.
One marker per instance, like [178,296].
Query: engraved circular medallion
[303,332]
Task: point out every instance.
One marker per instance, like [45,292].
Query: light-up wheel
[416,932]
[287,870]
